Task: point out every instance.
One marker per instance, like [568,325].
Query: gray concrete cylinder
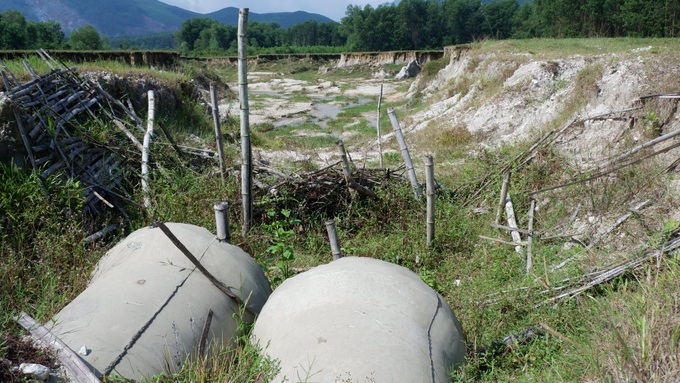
[144,309]
[360,320]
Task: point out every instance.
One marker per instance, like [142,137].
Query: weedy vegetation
[625,330]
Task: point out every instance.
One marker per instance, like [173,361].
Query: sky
[335,9]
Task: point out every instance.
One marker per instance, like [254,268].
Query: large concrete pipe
[144,309]
[360,320]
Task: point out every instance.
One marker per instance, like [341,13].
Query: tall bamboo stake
[429,187]
[333,238]
[218,131]
[222,221]
[504,194]
[377,125]
[145,152]
[512,223]
[246,155]
[404,152]
[530,238]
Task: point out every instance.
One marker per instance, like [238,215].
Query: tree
[13,30]
[191,31]
[85,38]
[45,35]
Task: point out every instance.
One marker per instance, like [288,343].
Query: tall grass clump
[43,262]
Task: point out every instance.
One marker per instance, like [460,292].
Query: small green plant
[282,247]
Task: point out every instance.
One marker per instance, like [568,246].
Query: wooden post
[512,222]
[504,194]
[429,188]
[377,125]
[145,152]
[530,237]
[218,131]
[246,155]
[222,221]
[333,237]
[404,152]
[345,161]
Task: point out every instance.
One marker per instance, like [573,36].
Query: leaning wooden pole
[504,194]
[218,131]
[377,125]
[246,155]
[530,237]
[430,191]
[145,152]
[404,152]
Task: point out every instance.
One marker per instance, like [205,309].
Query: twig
[503,241]
[216,282]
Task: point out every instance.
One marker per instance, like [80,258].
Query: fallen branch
[216,282]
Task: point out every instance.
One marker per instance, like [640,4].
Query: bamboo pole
[643,146]
[246,155]
[218,131]
[377,125]
[530,237]
[333,237]
[222,221]
[145,152]
[429,187]
[404,152]
[512,222]
[504,194]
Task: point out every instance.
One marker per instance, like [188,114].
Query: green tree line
[203,35]
[422,24]
[408,24]
[18,33]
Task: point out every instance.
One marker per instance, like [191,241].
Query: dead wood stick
[660,95]
[205,333]
[503,241]
[606,172]
[604,116]
[619,221]
[24,138]
[167,135]
[558,335]
[508,228]
[361,189]
[129,134]
[643,146]
[100,234]
[599,239]
[99,196]
[504,194]
[216,282]
[512,222]
[75,368]
[530,238]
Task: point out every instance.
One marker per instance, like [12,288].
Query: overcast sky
[335,9]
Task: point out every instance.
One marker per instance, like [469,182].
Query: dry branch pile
[324,192]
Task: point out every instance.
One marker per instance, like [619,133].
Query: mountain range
[137,17]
